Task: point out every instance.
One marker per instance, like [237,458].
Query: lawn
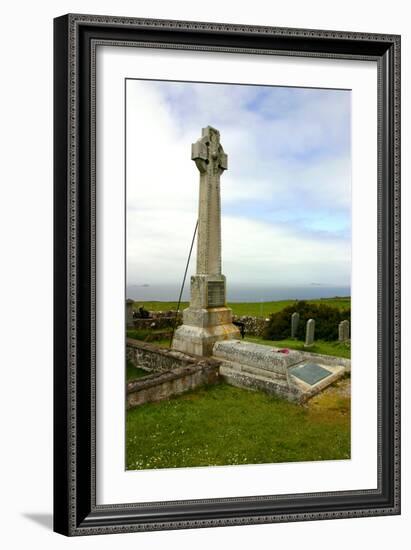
[254,309]
[337,349]
[224,425]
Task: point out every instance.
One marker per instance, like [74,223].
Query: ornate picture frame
[76,38]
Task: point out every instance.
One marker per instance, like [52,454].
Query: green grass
[336,349]
[140,334]
[224,425]
[134,372]
[254,309]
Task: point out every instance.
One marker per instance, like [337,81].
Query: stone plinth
[200,340]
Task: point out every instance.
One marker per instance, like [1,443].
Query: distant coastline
[238,293]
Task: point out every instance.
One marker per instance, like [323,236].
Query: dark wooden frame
[75,40]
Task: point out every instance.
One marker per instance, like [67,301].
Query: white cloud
[269,254]
[162,184]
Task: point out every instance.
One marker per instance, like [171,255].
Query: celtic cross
[211,161]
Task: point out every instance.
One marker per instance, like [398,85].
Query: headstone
[129,313]
[344,331]
[295,319]
[207,319]
[309,333]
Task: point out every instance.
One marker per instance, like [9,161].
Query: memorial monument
[207,319]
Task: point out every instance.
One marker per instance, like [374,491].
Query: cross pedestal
[207,319]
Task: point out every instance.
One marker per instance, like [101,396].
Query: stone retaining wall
[159,386]
[152,358]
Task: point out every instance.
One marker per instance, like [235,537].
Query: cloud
[286,196]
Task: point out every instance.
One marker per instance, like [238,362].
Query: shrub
[326,319]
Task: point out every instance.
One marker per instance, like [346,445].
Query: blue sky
[286,196]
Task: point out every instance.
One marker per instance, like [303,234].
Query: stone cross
[309,333]
[207,319]
[211,161]
[295,319]
[344,331]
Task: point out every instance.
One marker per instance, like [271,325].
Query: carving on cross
[208,153]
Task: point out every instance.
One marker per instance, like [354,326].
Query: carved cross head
[208,153]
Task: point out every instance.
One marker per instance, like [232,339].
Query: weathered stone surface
[258,367]
[159,386]
[207,319]
[256,355]
[241,378]
[295,319]
[309,333]
[211,161]
[152,358]
[200,340]
[344,331]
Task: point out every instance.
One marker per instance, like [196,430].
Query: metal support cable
[183,283]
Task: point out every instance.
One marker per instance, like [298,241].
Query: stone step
[257,371]
[256,355]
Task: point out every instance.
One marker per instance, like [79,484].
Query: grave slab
[289,374]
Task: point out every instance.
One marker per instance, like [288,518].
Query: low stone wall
[152,358]
[159,386]
[164,314]
[155,322]
[254,326]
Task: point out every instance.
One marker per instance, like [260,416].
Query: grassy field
[254,309]
[224,425]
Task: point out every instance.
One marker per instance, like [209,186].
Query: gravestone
[344,331]
[295,319]
[207,319]
[129,313]
[309,333]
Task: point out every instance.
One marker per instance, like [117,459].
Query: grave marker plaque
[216,296]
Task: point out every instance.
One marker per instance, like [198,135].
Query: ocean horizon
[238,293]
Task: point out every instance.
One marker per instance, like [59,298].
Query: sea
[238,293]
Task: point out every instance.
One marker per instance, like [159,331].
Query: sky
[285,198]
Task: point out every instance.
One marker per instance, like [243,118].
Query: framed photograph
[227,274]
